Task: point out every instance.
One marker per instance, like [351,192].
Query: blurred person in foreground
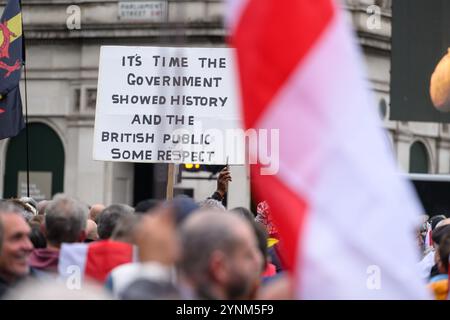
[146,206]
[33,289]
[15,246]
[220,258]
[155,233]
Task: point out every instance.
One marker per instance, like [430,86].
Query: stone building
[63,40]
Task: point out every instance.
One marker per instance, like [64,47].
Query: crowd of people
[178,249]
[434,243]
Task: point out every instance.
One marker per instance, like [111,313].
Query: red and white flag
[95,260]
[345,217]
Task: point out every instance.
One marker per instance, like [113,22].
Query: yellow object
[439,289]
[15,25]
[271,242]
[440,84]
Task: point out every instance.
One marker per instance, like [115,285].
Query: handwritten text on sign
[168,105]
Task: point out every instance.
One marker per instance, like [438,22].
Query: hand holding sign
[222,181]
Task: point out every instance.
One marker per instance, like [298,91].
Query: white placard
[143,11]
[168,105]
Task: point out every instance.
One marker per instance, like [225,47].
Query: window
[383,109]
[418,158]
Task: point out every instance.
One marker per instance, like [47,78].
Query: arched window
[383,109]
[46,153]
[418,158]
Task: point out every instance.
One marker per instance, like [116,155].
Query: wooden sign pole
[170,180]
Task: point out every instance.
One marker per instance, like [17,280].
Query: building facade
[63,40]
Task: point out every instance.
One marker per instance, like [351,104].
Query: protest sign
[168,105]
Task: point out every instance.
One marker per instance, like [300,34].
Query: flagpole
[26,130]
[27,151]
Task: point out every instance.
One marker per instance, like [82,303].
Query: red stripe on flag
[288,211]
[271,38]
[105,255]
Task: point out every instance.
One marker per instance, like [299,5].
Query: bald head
[91,230]
[96,209]
[210,218]
[216,247]
[209,230]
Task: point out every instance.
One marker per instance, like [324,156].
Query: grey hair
[65,219]
[125,229]
[108,218]
[212,204]
[8,207]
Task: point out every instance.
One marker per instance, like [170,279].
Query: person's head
[258,228]
[435,220]
[95,211]
[26,209]
[15,245]
[183,206]
[262,236]
[156,237]
[125,230]
[91,230]
[444,253]
[36,236]
[107,220]
[30,203]
[439,233]
[150,289]
[41,206]
[211,204]
[442,223]
[39,219]
[145,206]
[65,221]
[220,256]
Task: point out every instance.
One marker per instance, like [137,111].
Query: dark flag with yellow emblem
[11,61]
